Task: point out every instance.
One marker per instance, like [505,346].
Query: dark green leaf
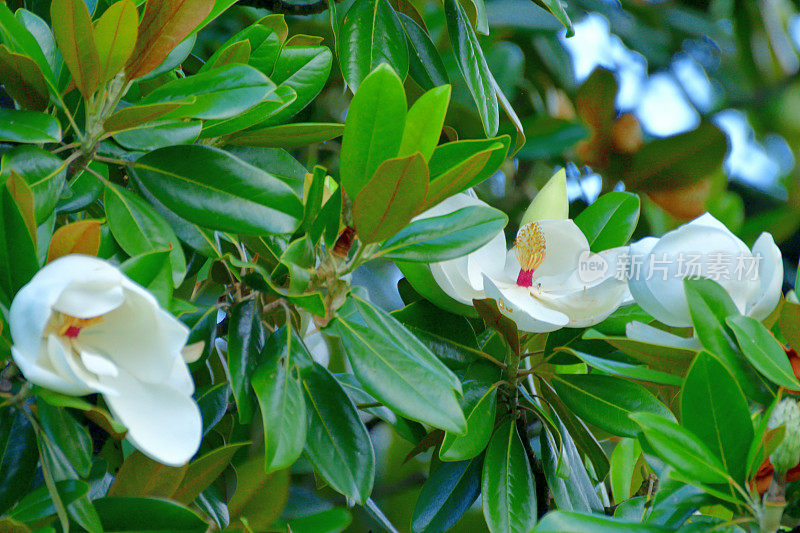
[280,397]
[763,351]
[425,65]
[147,515]
[245,341]
[221,93]
[606,401]
[396,368]
[714,408]
[430,240]
[371,34]
[507,486]
[338,444]
[681,448]
[138,229]
[610,221]
[472,65]
[446,495]
[214,189]
[373,129]
[28,127]
[19,457]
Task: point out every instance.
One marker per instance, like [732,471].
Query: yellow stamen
[530,246]
[71,325]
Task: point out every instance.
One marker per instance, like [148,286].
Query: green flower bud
[787,454]
[551,202]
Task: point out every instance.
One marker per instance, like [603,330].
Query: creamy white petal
[770,275]
[36,372]
[639,331]
[91,298]
[517,303]
[451,278]
[192,352]
[448,205]
[489,259]
[587,306]
[139,337]
[163,423]
[66,364]
[661,274]
[565,243]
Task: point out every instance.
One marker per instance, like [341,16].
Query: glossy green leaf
[130,117]
[425,65]
[202,472]
[763,351]
[607,401]
[280,397]
[288,135]
[424,123]
[245,340]
[610,221]
[624,369]
[714,408]
[259,496]
[38,504]
[66,433]
[556,7]
[369,35]
[396,368]
[214,189]
[623,462]
[18,259]
[164,25]
[446,495]
[163,133]
[303,69]
[72,26]
[28,127]
[23,80]
[115,36]
[507,485]
[221,93]
[459,165]
[391,198]
[789,323]
[234,127]
[19,457]
[480,414]
[147,515]
[138,229]
[141,476]
[20,40]
[43,171]
[570,522]
[445,237]
[671,359]
[709,306]
[373,129]
[472,65]
[680,448]
[337,444]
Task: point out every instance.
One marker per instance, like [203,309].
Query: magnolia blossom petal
[517,303]
[661,278]
[164,423]
[488,259]
[564,242]
[641,332]
[453,279]
[770,274]
[640,291]
[588,306]
[38,373]
[66,364]
[91,298]
[139,337]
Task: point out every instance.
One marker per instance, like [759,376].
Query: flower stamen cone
[71,326]
[531,249]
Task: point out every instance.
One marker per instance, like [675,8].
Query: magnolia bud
[551,202]
[787,454]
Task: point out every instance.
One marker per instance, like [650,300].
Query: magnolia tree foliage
[203,208]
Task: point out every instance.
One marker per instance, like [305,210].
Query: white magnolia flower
[537,283]
[81,326]
[704,248]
